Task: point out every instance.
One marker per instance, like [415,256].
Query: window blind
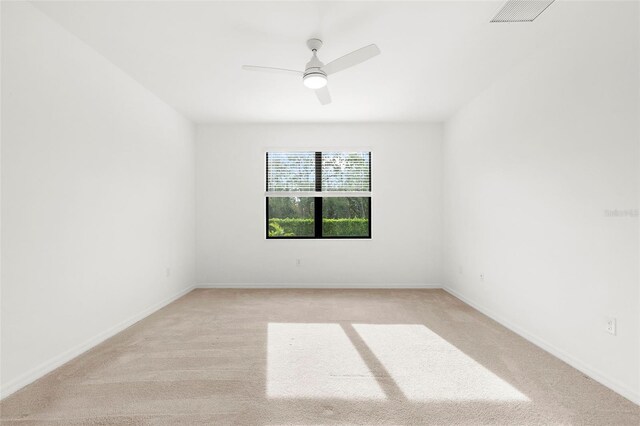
[291,171]
[346,171]
[328,174]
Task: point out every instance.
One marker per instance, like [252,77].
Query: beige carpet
[312,357]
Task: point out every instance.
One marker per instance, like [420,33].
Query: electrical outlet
[168,272]
[611,325]
[298,262]
[460,270]
[482,277]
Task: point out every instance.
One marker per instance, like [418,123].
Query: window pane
[290,217]
[291,171]
[346,171]
[345,216]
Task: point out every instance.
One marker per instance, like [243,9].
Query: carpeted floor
[312,357]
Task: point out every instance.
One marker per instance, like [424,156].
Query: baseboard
[320,286]
[50,365]
[595,374]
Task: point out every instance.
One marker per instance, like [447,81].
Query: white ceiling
[436,56]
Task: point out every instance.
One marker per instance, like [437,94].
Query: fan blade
[351,59]
[323,95]
[272,70]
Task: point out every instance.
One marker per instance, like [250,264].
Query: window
[318,194]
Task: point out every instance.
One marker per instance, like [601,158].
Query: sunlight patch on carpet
[426,367]
[316,361]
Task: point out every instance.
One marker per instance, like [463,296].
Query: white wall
[406,207]
[98,197]
[531,166]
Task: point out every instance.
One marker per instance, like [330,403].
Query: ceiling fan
[315,73]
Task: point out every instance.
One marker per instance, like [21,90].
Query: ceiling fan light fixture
[315,72]
[315,80]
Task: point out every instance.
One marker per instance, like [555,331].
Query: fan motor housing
[314,66]
[314,71]
[314,77]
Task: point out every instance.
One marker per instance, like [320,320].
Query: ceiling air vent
[521,10]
